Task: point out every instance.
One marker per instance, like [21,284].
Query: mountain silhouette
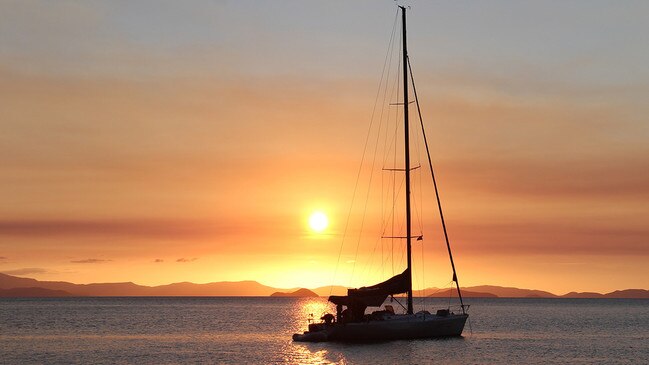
[298,293]
[26,287]
[33,293]
[445,293]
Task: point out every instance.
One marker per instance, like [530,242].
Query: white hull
[395,327]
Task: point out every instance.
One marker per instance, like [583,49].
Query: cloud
[549,238]
[89,261]
[146,228]
[158,260]
[615,176]
[182,259]
[26,271]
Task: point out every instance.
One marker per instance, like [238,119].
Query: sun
[318,221]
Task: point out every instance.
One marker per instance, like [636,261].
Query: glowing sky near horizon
[160,142]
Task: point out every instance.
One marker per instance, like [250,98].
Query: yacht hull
[399,327]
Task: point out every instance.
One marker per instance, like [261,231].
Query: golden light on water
[312,308]
[304,311]
[301,354]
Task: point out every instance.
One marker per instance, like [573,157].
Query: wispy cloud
[612,176]
[158,260]
[90,261]
[147,228]
[182,259]
[27,271]
[550,237]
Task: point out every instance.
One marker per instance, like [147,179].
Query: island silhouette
[14,286]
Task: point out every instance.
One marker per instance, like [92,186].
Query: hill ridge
[254,288]
[302,292]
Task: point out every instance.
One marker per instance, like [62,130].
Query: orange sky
[191,144]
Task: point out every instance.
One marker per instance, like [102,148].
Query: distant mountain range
[445,293]
[12,286]
[32,293]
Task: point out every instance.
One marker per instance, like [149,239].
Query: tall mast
[407,154]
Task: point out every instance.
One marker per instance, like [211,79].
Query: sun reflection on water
[309,309]
[301,354]
[303,311]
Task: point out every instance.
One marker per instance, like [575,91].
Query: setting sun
[318,221]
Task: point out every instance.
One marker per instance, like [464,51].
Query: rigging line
[438,289]
[394,200]
[398,302]
[387,150]
[394,184]
[382,222]
[395,88]
[392,175]
[367,270]
[376,145]
[389,56]
[417,189]
[394,158]
[384,225]
[421,188]
[392,236]
[470,327]
[423,273]
[432,172]
[386,70]
[387,77]
[385,193]
[402,259]
[360,167]
[367,198]
[385,181]
[417,210]
[392,147]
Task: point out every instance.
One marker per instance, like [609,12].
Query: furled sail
[375,295]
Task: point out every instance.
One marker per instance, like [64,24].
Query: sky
[159,141]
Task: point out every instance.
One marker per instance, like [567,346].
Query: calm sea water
[258,331]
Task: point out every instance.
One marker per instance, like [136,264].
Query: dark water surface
[258,331]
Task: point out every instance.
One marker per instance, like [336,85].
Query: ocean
[253,330]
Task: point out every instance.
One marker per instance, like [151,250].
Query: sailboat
[351,323]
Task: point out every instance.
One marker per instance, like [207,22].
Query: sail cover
[375,295]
